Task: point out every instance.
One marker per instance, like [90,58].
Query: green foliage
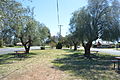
[17,21]
[111,33]
[9,45]
[52,44]
[59,45]
[52,41]
[43,33]
[10,12]
[42,47]
[97,20]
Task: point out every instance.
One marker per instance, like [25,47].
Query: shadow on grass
[97,68]
[71,50]
[11,57]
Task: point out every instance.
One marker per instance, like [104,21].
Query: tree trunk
[75,47]
[26,44]
[27,50]
[87,49]
[1,42]
[70,47]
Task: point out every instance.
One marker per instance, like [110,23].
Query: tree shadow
[90,69]
[72,50]
[12,57]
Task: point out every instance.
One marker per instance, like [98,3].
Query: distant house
[103,44]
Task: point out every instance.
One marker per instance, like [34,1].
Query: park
[30,50]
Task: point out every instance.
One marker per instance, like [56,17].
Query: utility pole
[60,29]
[59,44]
[59,26]
[58,13]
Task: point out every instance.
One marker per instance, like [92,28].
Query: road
[108,51]
[103,50]
[11,50]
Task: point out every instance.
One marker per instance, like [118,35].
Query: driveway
[11,50]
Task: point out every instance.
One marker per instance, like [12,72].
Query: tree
[66,42]
[44,33]
[15,22]
[10,11]
[18,22]
[5,17]
[27,34]
[114,23]
[52,41]
[32,31]
[72,40]
[1,43]
[92,22]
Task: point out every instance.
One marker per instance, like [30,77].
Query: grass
[10,64]
[71,62]
[98,68]
[12,47]
[117,49]
[2,46]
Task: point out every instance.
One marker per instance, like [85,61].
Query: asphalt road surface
[11,50]
[108,51]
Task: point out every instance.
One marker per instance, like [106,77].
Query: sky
[45,11]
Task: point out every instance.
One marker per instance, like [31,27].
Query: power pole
[59,26]
[59,45]
[60,29]
[58,13]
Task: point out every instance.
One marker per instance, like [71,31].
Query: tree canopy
[99,19]
[18,23]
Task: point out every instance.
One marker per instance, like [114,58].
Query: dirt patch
[37,73]
[40,68]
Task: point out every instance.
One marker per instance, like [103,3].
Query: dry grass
[57,65]
[37,66]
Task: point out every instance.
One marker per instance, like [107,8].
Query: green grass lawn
[71,62]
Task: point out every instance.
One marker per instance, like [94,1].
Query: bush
[9,45]
[52,44]
[42,48]
[59,46]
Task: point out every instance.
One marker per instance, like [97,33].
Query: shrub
[52,44]
[42,48]
[59,46]
[9,45]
